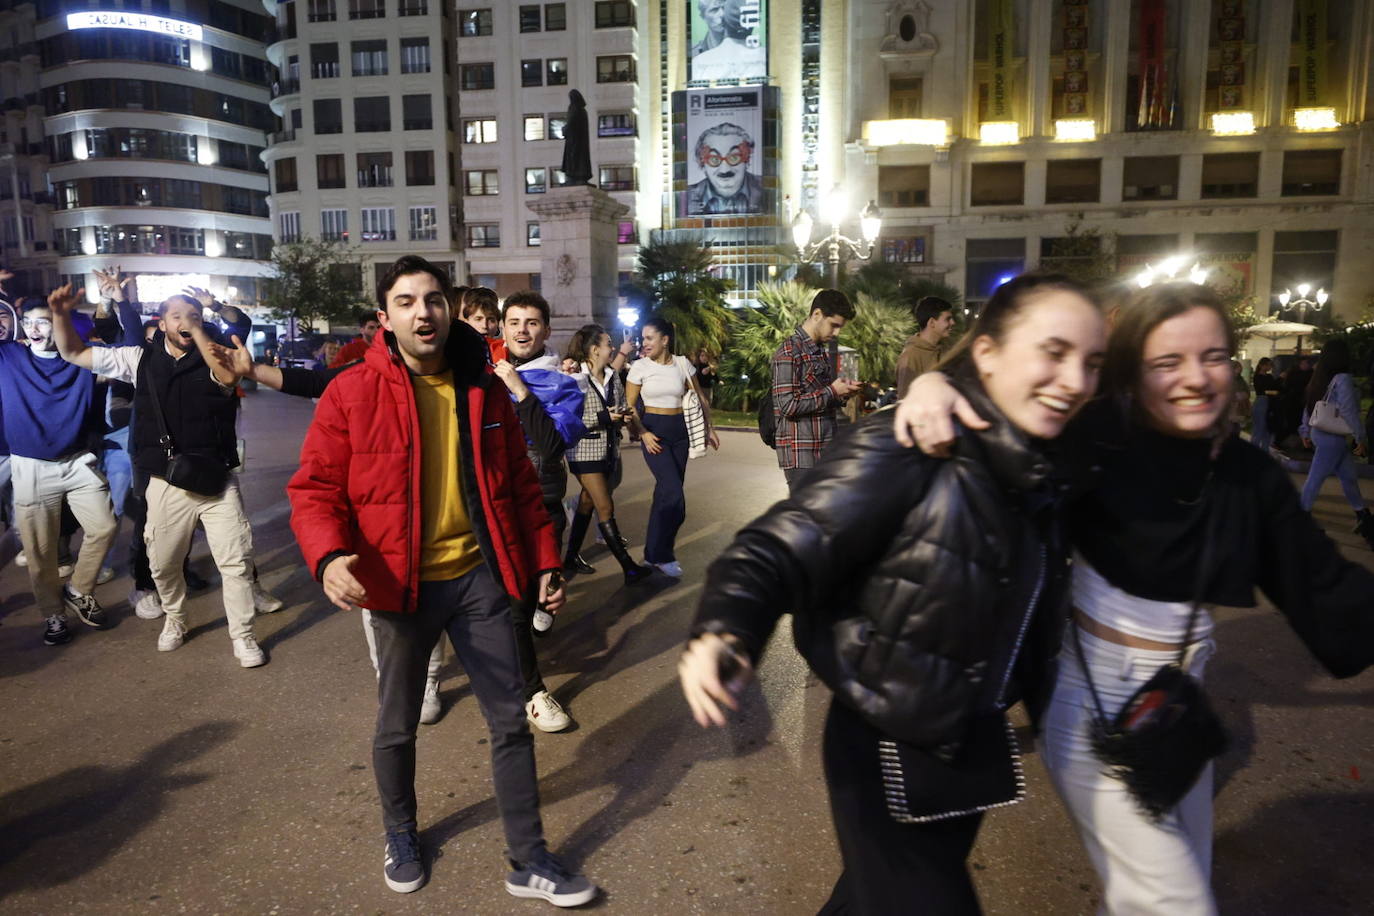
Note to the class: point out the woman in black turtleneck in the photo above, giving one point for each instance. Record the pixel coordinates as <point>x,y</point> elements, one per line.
<point>1180,511</point>
<point>1266,397</point>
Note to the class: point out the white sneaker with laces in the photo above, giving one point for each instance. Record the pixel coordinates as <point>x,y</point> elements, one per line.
<point>105,575</point>
<point>264,602</point>
<point>172,636</point>
<point>21,559</point>
<point>544,713</point>
<point>146,604</point>
<point>672,568</point>
<point>248,652</point>
<point>431,707</point>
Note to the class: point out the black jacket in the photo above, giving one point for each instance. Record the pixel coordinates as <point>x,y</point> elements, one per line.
<point>916,582</point>
<point>200,415</point>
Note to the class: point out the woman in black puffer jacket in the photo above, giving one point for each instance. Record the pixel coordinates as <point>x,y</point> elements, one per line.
<point>929,596</point>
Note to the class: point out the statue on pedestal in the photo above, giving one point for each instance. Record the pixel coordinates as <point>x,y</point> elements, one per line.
<point>577,143</point>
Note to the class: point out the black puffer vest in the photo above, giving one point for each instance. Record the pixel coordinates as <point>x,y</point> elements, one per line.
<point>200,415</point>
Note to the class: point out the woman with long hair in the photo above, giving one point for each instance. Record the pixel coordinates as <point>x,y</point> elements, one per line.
<point>1265,405</point>
<point>1333,383</point>
<point>661,380</point>
<point>595,457</point>
<point>927,595</point>
<point>1183,513</point>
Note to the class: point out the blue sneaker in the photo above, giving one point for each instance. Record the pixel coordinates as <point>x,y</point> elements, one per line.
<point>546,878</point>
<point>402,867</point>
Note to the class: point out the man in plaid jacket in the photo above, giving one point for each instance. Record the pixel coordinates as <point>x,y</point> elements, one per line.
<point>806,394</point>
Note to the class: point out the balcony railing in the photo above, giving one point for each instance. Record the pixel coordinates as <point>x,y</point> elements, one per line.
<point>282,136</point>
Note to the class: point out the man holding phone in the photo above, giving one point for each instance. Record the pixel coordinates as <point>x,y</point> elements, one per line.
<point>806,394</point>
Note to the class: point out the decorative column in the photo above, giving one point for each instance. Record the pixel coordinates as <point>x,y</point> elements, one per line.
<point>577,233</point>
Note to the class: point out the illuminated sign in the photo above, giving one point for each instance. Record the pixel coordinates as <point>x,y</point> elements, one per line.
<point>115,19</point>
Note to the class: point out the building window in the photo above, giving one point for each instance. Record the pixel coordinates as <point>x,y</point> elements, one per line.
<point>334,225</point>
<point>532,235</point>
<point>536,181</point>
<point>1073,181</point>
<point>991,262</point>
<point>413,8</point>
<point>555,17</point>
<point>534,127</point>
<point>369,57</point>
<point>556,71</point>
<point>419,167</point>
<point>557,125</point>
<point>558,177</point>
<point>424,224</point>
<point>371,114</point>
<point>1150,178</point>
<point>415,55</point>
<point>324,60</point>
<point>612,14</point>
<point>483,235</point>
<point>328,116</point>
<point>321,10</point>
<point>1304,257</point>
<point>904,97</point>
<point>479,130</point>
<point>997,184</point>
<point>617,178</point>
<point>474,23</point>
<point>531,73</point>
<point>374,170</point>
<point>909,249</point>
<point>477,76</point>
<point>289,226</point>
<point>329,171</point>
<point>625,232</point>
<point>481,182</point>
<point>615,125</point>
<point>379,224</point>
<point>1230,174</point>
<point>285,174</point>
<point>1311,172</point>
<point>903,185</point>
<point>416,112</point>
<point>366,9</point>
<point>615,68</point>
<point>529,18</point>
<point>1133,252</point>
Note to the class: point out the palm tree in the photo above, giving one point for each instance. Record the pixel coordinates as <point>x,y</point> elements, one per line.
<point>878,332</point>
<point>745,372</point>
<point>676,280</point>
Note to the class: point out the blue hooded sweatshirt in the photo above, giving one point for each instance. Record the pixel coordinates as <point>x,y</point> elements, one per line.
<point>47,404</point>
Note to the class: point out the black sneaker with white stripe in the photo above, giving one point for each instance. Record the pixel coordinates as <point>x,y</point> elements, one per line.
<point>85,607</point>
<point>55,631</point>
<point>546,878</point>
<point>402,867</point>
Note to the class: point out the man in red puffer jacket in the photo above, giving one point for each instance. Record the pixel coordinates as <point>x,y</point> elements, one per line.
<point>415,500</point>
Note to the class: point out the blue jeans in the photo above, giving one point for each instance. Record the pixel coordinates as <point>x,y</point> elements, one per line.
<point>1332,457</point>
<point>119,471</point>
<point>1260,434</point>
<point>669,467</point>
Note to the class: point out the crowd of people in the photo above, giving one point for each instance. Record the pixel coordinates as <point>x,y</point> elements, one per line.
<point>1008,534</point>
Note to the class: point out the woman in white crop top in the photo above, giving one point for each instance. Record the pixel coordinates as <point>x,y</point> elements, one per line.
<point>661,379</point>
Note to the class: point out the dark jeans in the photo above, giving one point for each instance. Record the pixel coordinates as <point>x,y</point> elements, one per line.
<point>889,867</point>
<point>475,613</point>
<point>669,467</point>
<point>522,611</point>
<point>793,475</point>
<point>136,508</point>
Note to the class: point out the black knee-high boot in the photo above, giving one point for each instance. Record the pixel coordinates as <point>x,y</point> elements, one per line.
<point>572,560</point>
<point>616,545</point>
<point>1364,526</point>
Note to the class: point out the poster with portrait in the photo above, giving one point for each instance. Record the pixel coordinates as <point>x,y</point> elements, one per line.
<point>728,39</point>
<point>724,153</point>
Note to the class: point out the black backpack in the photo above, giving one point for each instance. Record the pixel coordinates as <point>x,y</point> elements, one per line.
<point>768,426</point>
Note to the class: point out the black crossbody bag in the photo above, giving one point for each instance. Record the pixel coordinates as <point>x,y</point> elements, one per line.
<point>206,475</point>
<point>1159,742</point>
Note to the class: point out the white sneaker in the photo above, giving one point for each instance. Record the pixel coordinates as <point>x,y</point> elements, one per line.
<point>173,635</point>
<point>65,570</point>
<point>672,568</point>
<point>264,602</point>
<point>544,713</point>
<point>146,604</point>
<point>105,575</point>
<point>431,707</point>
<point>21,559</point>
<point>249,654</point>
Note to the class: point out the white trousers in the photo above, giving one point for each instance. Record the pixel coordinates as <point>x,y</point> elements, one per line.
<point>39,489</point>
<point>173,514</point>
<point>436,656</point>
<point>1146,868</point>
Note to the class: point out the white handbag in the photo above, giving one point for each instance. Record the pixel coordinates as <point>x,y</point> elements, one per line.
<point>693,414</point>
<point>1326,416</point>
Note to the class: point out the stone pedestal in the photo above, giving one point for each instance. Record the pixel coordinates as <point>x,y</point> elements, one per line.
<point>577,231</point>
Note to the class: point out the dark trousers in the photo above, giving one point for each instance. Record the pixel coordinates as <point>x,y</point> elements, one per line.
<point>475,612</point>
<point>669,467</point>
<point>136,508</point>
<point>793,476</point>
<point>522,611</point>
<point>889,867</point>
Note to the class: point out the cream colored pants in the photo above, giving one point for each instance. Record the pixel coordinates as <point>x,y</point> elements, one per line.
<point>172,517</point>
<point>39,488</point>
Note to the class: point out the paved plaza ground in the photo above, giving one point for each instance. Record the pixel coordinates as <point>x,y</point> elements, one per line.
<point>133,781</point>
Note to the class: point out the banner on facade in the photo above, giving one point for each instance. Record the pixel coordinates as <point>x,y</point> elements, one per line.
<point>724,153</point>
<point>1312,45</point>
<point>1231,48</point>
<point>1000,44</point>
<point>1075,58</point>
<point>729,39</point>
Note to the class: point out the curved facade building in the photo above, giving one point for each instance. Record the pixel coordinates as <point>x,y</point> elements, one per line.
<point>155,123</point>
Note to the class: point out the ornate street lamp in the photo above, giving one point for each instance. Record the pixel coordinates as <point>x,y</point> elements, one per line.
<point>833,210</point>
<point>1302,303</point>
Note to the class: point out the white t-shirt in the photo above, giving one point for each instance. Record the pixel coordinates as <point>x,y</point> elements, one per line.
<point>661,385</point>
